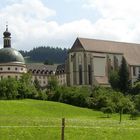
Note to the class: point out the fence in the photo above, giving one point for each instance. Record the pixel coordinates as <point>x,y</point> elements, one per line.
<point>77,123</point>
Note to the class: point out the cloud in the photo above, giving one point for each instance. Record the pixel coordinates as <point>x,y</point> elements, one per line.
<point>119,19</point>
<point>27,21</point>
<point>27,9</point>
<point>31,24</point>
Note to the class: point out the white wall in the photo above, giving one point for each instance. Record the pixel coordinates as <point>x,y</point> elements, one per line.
<point>99,65</point>
<point>11,70</point>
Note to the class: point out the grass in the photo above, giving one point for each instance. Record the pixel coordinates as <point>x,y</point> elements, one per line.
<point>31,120</point>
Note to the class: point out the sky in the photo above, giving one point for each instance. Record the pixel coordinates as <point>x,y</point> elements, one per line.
<point>58,23</point>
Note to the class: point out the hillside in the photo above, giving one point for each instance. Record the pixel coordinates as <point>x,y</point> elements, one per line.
<point>31,108</point>
<point>39,120</point>
<point>45,54</point>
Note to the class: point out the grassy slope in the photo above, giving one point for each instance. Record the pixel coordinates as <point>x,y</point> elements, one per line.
<point>43,113</point>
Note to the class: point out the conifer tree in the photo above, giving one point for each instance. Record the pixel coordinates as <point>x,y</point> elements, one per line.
<point>123,76</point>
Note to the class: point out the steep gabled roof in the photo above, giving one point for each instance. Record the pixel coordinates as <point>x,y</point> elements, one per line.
<point>131,51</point>
<point>77,45</point>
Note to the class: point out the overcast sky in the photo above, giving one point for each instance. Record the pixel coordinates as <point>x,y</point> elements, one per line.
<point>59,22</point>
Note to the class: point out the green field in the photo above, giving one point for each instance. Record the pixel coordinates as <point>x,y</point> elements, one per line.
<point>41,120</point>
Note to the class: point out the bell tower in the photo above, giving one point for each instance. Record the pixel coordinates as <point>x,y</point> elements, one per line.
<point>7,38</point>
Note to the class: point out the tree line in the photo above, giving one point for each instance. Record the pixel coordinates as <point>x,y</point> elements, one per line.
<point>48,55</point>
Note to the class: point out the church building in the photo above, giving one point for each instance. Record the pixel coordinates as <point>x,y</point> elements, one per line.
<point>90,61</point>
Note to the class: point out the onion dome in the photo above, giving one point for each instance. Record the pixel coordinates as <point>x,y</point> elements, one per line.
<point>10,55</point>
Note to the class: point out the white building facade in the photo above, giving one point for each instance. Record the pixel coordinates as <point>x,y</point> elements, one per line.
<point>43,73</point>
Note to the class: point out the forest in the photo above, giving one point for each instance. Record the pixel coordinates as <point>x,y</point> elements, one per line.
<point>47,55</point>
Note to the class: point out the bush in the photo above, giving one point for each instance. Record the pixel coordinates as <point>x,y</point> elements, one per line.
<point>137,102</point>
<point>136,88</point>
<point>101,97</point>
<point>12,89</point>
<point>107,110</point>
<point>42,96</point>
<point>134,114</point>
<point>8,89</point>
<point>71,95</point>
<point>114,79</point>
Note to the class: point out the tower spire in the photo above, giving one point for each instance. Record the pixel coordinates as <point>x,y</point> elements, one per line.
<point>7,38</point>
<point>7,26</point>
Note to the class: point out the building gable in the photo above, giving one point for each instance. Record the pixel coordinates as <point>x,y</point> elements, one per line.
<point>77,46</point>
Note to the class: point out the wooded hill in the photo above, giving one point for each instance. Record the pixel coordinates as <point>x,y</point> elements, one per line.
<point>45,54</point>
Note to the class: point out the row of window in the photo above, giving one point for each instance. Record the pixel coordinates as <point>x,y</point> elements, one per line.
<point>34,71</point>
<point>61,76</point>
<point>8,76</point>
<point>62,81</point>
<point>40,82</point>
<point>43,77</point>
<point>40,77</point>
<point>10,68</point>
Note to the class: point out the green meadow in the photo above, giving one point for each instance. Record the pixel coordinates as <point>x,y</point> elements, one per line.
<point>41,120</point>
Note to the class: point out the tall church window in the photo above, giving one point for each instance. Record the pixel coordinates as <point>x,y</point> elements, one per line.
<point>134,71</point>
<point>80,75</point>
<point>71,57</point>
<point>80,59</point>
<point>116,65</point>
<point>89,74</point>
<point>109,64</point>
